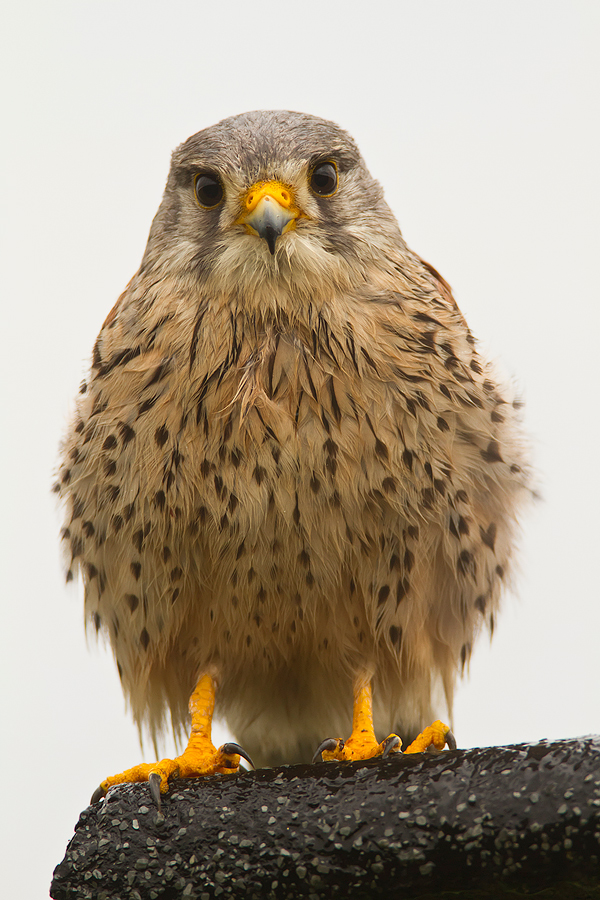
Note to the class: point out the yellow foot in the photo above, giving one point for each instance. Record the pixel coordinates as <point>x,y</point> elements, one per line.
<point>199,758</point>
<point>362,743</point>
<point>436,736</point>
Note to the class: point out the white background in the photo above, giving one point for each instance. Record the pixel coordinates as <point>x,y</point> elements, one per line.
<point>481,120</point>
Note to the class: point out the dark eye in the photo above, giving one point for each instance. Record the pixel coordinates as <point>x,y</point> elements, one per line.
<point>324,179</point>
<point>209,190</point>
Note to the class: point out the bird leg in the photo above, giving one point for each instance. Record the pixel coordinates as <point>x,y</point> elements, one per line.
<point>199,758</point>
<point>362,743</point>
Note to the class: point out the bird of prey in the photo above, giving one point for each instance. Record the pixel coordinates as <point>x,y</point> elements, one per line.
<point>292,482</point>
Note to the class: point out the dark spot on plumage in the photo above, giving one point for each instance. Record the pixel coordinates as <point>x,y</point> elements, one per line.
<point>384,593</point>
<point>439,486</point>
<point>83,387</point>
<point>462,496</point>
<point>442,424</point>
<point>428,469</point>
<point>389,485</point>
<point>127,433</point>
<point>118,359</point>
<point>411,407</point>
<point>90,570</point>
<point>315,484</point>
<point>463,524</point>
<point>248,640</point>
<point>147,405</point>
<point>271,502</point>
<point>452,528</point>
<point>310,579</point>
<point>138,539</point>
<point>481,603</point>
<point>161,435</point>
<point>331,466</point>
<point>335,409</point>
<point>79,427</point>
<point>293,626</point>
<point>136,569</point>
<point>235,457</point>
<point>65,477</point>
<point>492,452</point>
<point>500,571</point>
<point>276,453</point>
<point>223,522</point>
<point>117,523</point>
<point>352,586</point>
<point>56,488</point>
<point>401,590</point>
<point>69,576</point>
<point>261,595</point>
<point>476,366</point>
<point>219,488</point>
<point>74,454</point>
<point>144,638</point>
<point>515,469</point>
<point>382,542</point>
<point>259,474</point>
<point>369,359</point>
<point>168,479</point>
<point>496,417</point>
<point>112,492</point>
<point>407,458</point>
<point>97,620</point>
<point>304,558</point>
<point>251,575</point>
<point>409,560</point>
<point>88,529</point>
<point>158,374</point>
<point>110,467</point>
<point>395,635</point>
<point>465,562</point>
<point>110,442</point>
<point>166,553</point>
<point>488,537</point>
<point>296,512</point>
<point>160,499</point>
<point>65,534</point>
<point>132,601</point>
<point>176,573</point>
<point>488,386</point>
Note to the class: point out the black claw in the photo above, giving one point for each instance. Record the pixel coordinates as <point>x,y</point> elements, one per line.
<point>389,744</point>
<point>98,794</point>
<point>327,744</point>
<point>154,785</point>
<point>231,747</point>
<point>451,741</point>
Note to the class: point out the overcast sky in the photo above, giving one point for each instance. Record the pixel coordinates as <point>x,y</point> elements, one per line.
<point>481,121</point>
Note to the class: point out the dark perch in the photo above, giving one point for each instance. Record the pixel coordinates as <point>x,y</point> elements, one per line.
<point>524,818</point>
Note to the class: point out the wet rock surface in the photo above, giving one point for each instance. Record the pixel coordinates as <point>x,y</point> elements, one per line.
<point>524,818</point>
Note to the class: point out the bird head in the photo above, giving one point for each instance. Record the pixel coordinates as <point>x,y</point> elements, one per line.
<point>272,202</point>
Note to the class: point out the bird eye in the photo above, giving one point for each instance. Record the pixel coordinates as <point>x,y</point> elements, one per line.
<point>324,179</point>
<point>209,190</point>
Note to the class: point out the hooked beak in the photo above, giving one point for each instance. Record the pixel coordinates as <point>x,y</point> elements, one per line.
<point>269,211</point>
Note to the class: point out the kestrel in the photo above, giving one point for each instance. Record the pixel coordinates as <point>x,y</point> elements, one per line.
<point>291,477</point>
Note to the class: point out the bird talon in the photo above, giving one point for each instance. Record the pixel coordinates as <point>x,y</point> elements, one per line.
<point>98,794</point>
<point>392,744</point>
<point>450,740</point>
<point>154,783</point>
<point>233,749</point>
<point>330,745</point>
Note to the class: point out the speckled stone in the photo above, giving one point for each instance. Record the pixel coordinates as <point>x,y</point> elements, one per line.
<point>524,818</point>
